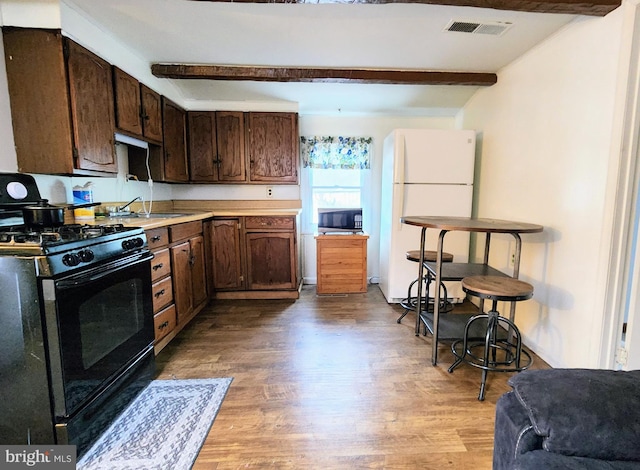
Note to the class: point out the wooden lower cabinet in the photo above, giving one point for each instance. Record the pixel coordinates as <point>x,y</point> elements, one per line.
<point>187,264</point>
<point>253,257</point>
<point>341,262</point>
<point>178,275</point>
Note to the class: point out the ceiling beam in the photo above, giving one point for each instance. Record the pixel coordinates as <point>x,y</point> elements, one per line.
<point>571,7</point>
<point>322,75</point>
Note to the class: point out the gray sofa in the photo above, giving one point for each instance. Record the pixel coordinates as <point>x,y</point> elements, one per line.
<point>569,419</point>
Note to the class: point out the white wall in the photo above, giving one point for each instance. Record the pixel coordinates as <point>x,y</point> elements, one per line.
<point>377,127</point>
<point>547,134</point>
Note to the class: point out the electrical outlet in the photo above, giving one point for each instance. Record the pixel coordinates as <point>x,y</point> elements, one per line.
<point>269,191</point>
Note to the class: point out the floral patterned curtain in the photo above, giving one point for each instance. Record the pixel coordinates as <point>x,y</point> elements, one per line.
<point>336,152</point>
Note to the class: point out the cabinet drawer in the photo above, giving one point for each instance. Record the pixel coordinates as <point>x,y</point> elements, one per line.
<point>157,237</point>
<point>278,223</point>
<point>164,322</point>
<point>160,264</point>
<point>162,293</point>
<point>186,230</point>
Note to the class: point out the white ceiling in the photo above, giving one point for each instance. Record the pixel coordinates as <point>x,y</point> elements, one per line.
<point>391,36</point>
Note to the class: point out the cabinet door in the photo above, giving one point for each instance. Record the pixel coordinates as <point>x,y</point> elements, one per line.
<point>231,146</point>
<point>37,82</point>
<point>91,93</point>
<point>271,260</point>
<point>273,147</point>
<point>127,93</point>
<point>226,253</point>
<point>203,152</point>
<point>181,274</point>
<point>198,278</point>
<point>151,113</point>
<point>174,130</point>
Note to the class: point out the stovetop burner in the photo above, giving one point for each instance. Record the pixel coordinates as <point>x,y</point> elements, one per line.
<point>49,236</point>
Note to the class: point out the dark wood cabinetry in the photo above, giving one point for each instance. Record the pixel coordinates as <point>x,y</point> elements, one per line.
<point>175,152</point>
<point>138,108</point>
<point>272,144</point>
<point>151,111</point>
<point>61,103</point>
<point>254,257</point>
<point>127,102</point>
<point>188,271</point>
<point>226,254</point>
<point>216,146</point>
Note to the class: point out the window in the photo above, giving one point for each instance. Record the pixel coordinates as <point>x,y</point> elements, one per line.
<point>335,173</point>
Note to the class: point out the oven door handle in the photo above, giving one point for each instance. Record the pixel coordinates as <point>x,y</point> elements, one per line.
<point>79,280</point>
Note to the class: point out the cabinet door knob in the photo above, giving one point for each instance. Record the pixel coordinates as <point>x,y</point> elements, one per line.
<point>158,266</point>
<point>159,293</point>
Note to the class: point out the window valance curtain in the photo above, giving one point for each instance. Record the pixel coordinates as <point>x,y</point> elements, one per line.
<point>328,152</point>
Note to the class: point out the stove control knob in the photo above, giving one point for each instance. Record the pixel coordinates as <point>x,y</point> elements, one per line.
<point>127,244</point>
<point>71,259</point>
<point>86,255</point>
<point>139,242</point>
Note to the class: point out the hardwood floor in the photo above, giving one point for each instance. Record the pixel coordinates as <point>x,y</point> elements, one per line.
<point>333,382</point>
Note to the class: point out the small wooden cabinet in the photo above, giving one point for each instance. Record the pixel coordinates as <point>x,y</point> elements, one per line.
<point>127,102</point>
<point>151,112</point>
<point>174,127</point>
<point>216,146</point>
<point>341,263</point>
<point>137,107</point>
<point>272,146</point>
<point>178,278</point>
<point>187,264</point>
<point>254,257</point>
<point>61,103</point>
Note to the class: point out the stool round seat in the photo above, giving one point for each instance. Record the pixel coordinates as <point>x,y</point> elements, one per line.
<point>495,352</point>
<point>410,301</point>
<point>429,255</point>
<point>497,288</point>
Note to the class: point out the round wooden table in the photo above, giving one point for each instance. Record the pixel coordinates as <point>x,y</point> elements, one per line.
<point>466,224</point>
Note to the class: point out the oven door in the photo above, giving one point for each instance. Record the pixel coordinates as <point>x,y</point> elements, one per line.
<point>98,322</point>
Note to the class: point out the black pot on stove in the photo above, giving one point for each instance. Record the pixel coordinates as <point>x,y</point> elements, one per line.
<point>44,214</point>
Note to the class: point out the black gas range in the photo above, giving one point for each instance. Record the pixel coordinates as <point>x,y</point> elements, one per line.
<point>71,246</point>
<point>76,343</point>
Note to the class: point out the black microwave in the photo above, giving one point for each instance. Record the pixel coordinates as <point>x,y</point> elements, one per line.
<point>339,220</point>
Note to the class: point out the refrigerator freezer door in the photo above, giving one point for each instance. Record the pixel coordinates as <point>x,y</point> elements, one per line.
<point>396,273</point>
<point>432,155</point>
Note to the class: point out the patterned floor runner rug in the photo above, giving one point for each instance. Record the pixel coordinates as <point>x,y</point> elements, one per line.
<point>163,428</point>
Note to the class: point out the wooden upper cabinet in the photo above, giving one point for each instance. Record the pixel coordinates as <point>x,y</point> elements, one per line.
<point>127,94</point>
<point>231,146</point>
<point>272,143</point>
<point>216,146</point>
<point>62,123</point>
<point>151,113</point>
<point>175,152</point>
<point>203,150</point>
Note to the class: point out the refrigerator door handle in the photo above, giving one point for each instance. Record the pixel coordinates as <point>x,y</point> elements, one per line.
<point>400,160</point>
<point>400,201</point>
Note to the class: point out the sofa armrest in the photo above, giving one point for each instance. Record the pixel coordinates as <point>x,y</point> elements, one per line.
<point>514,433</point>
<point>583,412</point>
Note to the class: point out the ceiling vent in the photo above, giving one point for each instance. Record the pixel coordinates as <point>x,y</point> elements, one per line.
<point>492,28</point>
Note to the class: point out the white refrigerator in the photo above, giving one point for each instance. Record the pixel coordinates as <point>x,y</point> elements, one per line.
<point>425,172</point>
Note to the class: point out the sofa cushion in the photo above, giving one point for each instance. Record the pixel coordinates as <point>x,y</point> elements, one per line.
<point>583,412</point>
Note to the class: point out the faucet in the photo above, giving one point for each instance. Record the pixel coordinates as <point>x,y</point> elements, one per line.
<point>122,208</point>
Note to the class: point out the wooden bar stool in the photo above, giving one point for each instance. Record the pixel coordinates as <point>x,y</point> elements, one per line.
<point>497,354</point>
<point>409,303</point>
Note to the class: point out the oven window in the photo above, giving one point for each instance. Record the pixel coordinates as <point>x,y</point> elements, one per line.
<point>110,319</point>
